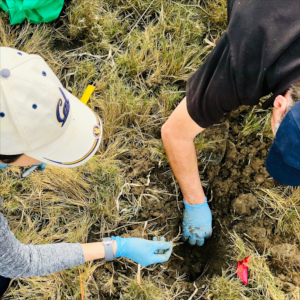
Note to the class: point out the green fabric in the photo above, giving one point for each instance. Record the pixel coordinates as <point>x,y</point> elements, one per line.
<point>36,11</point>
<point>3,6</point>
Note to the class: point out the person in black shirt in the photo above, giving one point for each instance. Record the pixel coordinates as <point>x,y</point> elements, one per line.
<point>259,54</point>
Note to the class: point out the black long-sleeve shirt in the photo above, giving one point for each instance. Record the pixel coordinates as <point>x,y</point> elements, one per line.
<point>258,54</point>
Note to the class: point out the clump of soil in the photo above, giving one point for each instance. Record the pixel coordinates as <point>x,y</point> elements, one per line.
<point>286,254</point>
<point>244,204</point>
<point>259,236</point>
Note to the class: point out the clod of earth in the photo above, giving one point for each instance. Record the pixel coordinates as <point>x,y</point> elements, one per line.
<point>288,253</point>
<point>285,286</point>
<point>244,203</point>
<point>259,237</point>
<point>288,287</point>
<point>296,279</point>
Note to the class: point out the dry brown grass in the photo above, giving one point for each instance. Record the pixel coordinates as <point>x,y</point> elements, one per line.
<point>138,54</point>
<point>282,205</point>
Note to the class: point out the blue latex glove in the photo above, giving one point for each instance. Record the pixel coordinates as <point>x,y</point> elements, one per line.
<point>143,251</point>
<point>2,166</point>
<point>40,167</point>
<point>197,223</point>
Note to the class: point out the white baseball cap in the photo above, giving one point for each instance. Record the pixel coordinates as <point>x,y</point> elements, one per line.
<point>39,117</point>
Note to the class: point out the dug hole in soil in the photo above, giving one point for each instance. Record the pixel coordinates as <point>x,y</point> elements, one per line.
<point>230,172</point>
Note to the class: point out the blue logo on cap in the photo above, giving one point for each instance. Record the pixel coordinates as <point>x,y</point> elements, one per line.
<point>65,110</point>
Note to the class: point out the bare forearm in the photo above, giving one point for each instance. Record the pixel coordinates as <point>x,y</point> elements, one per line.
<point>178,135</point>
<point>92,251</point>
<point>183,160</point>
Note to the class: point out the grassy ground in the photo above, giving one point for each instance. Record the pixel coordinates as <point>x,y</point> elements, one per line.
<point>138,54</point>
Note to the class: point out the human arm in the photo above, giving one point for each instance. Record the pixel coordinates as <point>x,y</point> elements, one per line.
<point>92,251</point>
<point>40,166</point>
<point>20,260</point>
<point>178,135</point>
<point>139,250</point>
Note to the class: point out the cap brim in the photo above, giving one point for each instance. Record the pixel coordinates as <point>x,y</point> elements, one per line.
<point>279,170</point>
<point>79,142</point>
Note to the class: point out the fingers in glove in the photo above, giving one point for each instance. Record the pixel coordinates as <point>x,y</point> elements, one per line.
<point>208,235</point>
<point>162,246</point>
<point>200,241</point>
<point>192,240</point>
<point>185,236</point>
<point>41,166</point>
<point>160,258</point>
<point>155,239</point>
<point>161,251</point>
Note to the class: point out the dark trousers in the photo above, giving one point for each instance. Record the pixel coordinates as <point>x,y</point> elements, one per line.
<point>4,283</point>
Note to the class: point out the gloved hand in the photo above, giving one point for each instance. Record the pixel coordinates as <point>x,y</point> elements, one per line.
<point>143,251</point>
<point>197,223</point>
<point>3,166</point>
<point>40,167</point>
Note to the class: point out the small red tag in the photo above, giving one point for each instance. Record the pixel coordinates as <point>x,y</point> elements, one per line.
<point>242,270</point>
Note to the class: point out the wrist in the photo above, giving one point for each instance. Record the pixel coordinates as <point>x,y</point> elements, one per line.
<point>118,241</point>
<point>186,204</point>
<point>109,248</point>
<point>195,201</point>
<point>115,247</point>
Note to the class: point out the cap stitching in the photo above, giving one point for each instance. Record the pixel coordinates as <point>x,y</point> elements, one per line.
<point>26,60</point>
<point>41,87</point>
